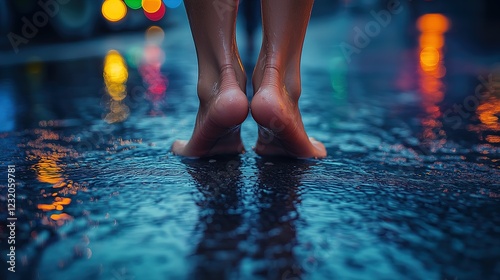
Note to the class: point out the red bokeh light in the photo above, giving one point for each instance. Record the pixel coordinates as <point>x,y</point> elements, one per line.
<point>156,16</point>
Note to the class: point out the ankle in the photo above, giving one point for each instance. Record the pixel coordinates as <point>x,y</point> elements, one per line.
<point>279,77</point>
<point>214,81</point>
<point>227,78</point>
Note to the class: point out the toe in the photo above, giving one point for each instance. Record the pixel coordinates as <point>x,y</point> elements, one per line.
<point>319,147</point>
<point>178,147</point>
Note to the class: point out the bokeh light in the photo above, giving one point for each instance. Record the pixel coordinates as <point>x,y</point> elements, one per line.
<point>134,4</point>
<point>431,39</point>
<point>338,70</point>
<point>61,217</point>
<point>172,3</point>
<point>433,23</point>
<point>151,6</point>
<point>489,112</point>
<point>115,73</point>
<point>133,56</point>
<point>114,10</point>
<point>49,167</point>
<point>156,16</point>
<point>115,78</point>
<point>155,34</point>
<point>150,69</point>
<point>431,72</point>
<point>433,27</point>
<point>429,56</point>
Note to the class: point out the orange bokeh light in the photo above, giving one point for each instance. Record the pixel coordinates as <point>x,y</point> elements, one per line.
<point>488,113</point>
<point>433,23</point>
<point>158,14</point>
<point>61,217</point>
<point>493,139</point>
<point>430,56</point>
<point>46,207</point>
<point>151,6</point>
<point>432,69</point>
<point>431,39</point>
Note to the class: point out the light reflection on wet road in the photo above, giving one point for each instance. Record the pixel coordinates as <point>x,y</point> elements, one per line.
<point>410,189</point>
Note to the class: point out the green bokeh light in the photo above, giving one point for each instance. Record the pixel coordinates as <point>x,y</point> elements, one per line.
<point>338,73</point>
<point>134,4</point>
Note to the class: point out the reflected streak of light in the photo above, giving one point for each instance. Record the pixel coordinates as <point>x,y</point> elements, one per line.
<point>115,78</point>
<point>62,201</point>
<point>432,70</point>
<point>50,170</point>
<point>488,113</point>
<point>61,217</point>
<point>493,139</point>
<point>150,69</point>
<point>46,207</point>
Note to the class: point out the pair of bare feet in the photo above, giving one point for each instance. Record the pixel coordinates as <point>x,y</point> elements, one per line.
<point>274,108</point>
<point>276,82</point>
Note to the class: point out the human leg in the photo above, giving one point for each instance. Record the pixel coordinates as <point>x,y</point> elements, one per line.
<point>277,83</point>
<point>221,80</point>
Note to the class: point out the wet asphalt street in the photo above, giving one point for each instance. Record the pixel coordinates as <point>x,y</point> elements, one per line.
<point>410,188</point>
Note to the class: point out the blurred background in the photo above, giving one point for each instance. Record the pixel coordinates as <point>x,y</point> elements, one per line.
<point>64,20</point>
<point>36,34</point>
<point>405,94</point>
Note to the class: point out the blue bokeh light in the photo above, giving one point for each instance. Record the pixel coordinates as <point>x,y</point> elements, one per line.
<point>172,3</point>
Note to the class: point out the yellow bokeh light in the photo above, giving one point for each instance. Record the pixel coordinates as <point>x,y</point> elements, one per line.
<point>115,74</point>
<point>114,10</point>
<point>430,56</point>
<point>115,77</point>
<point>151,6</point>
<point>117,91</point>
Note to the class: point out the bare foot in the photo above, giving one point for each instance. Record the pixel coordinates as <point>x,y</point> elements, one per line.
<point>275,108</point>
<point>223,107</point>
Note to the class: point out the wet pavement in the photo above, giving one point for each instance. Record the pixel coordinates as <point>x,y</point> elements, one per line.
<point>410,188</point>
